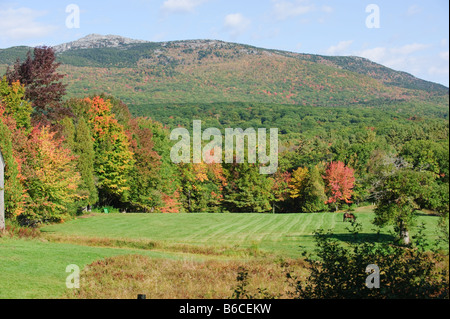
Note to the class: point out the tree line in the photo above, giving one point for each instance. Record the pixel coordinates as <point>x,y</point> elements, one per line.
<point>65,156</point>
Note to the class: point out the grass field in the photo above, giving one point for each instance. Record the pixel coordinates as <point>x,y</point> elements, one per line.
<point>35,268</point>
<point>277,234</point>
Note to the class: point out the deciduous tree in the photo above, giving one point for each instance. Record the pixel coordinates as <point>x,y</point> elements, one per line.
<point>52,183</point>
<point>14,102</point>
<point>398,198</point>
<point>44,87</point>
<point>113,158</point>
<point>339,182</point>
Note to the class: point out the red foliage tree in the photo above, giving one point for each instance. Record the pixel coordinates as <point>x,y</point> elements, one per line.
<point>340,181</point>
<point>43,84</point>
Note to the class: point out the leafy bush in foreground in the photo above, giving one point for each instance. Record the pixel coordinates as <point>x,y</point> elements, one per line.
<point>340,272</point>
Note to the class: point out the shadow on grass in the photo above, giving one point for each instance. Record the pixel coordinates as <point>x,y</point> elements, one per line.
<point>45,231</point>
<point>364,237</point>
<point>359,238</point>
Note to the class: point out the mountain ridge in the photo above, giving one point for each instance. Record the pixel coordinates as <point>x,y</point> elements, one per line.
<point>94,40</point>
<point>210,71</point>
<point>111,41</point>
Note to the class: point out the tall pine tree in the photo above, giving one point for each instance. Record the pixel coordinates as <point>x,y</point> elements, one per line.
<point>84,149</point>
<point>314,192</point>
<point>247,191</point>
<point>13,194</point>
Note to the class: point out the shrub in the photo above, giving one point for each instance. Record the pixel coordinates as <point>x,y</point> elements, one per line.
<point>340,272</point>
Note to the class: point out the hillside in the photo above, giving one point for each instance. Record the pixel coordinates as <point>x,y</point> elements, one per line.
<point>143,74</point>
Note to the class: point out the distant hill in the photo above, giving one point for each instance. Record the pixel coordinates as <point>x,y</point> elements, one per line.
<point>210,71</point>
<point>92,41</point>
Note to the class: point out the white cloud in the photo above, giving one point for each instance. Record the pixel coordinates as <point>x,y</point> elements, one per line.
<point>183,6</point>
<point>434,70</point>
<point>340,48</point>
<point>393,57</point>
<point>409,48</point>
<point>413,9</point>
<point>415,58</point>
<point>444,55</point>
<point>283,10</point>
<point>440,66</point>
<point>236,24</point>
<point>327,9</point>
<point>21,24</point>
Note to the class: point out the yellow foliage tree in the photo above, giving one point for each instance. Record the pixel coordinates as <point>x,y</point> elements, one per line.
<point>298,181</point>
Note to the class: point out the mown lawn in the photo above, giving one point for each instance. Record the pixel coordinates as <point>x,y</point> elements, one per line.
<point>35,268</point>
<point>281,234</point>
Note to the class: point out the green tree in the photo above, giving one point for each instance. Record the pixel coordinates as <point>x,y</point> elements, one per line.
<point>15,104</point>
<point>398,196</point>
<point>144,176</point>
<point>14,191</point>
<point>339,272</point>
<point>314,192</point>
<point>247,190</point>
<point>68,132</point>
<point>308,189</point>
<point>202,186</point>
<point>113,158</point>
<point>84,149</point>
<point>168,181</point>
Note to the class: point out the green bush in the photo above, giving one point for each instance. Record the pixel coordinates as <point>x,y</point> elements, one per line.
<point>340,272</point>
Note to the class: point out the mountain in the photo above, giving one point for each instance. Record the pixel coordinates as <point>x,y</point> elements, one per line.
<point>144,74</point>
<point>92,41</point>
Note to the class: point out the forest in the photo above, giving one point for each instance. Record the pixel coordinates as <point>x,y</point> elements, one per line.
<point>67,155</point>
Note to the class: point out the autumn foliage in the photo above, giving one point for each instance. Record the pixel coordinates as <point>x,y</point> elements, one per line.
<point>113,159</point>
<point>44,87</point>
<point>340,182</point>
<point>66,157</point>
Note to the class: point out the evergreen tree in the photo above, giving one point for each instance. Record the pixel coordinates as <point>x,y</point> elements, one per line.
<point>13,193</point>
<point>247,190</point>
<point>84,149</point>
<point>168,185</point>
<point>68,132</point>
<point>314,192</point>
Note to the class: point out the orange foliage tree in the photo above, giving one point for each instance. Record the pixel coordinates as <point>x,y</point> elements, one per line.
<point>113,157</point>
<point>340,181</point>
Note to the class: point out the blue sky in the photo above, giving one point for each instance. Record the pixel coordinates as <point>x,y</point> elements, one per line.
<point>412,35</point>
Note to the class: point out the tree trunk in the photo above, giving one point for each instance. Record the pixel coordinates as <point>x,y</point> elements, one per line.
<point>405,237</point>
<point>189,200</point>
<point>404,234</point>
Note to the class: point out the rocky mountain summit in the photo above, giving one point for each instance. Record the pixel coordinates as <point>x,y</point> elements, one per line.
<point>215,70</point>
<point>96,41</point>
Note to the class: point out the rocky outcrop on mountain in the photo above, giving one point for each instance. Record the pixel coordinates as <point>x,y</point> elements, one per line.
<point>96,41</point>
